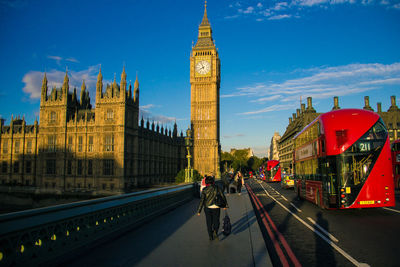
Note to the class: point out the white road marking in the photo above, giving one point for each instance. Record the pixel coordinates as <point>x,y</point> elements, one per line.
<point>299,210</point>
<point>323,230</point>
<point>327,240</point>
<point>284,197</point>
<point>398,211</point>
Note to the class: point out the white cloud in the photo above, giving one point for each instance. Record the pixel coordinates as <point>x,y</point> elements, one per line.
<point>396,6</point>
<point>233,136</point>
<point>56,58</point>
<point>160,119</point>
<point>233,95</point>
<point>278,17</point>
<point>367,2</point>
<point>248,10</point>
<point>33,80</point>
<point>71,59</point>
<point>146,114</point>
<point>310,3</point>
<point>280,6</point>
<point>59,59</point>
<point>295,8</point>
<point>269,109</point>
<point>231,17</point>
<point>320,83</point>
<point>148,106</point>
<point>269,98</point>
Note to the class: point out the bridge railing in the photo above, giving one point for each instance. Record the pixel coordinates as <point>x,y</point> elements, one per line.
<point>43,235</point>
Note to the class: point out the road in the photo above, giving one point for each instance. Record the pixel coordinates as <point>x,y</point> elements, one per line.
<point>317,237</point>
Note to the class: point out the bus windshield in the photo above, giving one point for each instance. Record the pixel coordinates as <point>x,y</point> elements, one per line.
<point>355,164</point>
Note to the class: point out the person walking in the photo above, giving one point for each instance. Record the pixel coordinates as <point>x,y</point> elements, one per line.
<point>240,182</point>
<point>212,199</point>
<point>225,182</point>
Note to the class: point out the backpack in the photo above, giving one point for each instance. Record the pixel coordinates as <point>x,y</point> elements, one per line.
<point>219,200</point>
<point>227,227</point>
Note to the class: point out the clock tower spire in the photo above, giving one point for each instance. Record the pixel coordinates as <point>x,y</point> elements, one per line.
<point>205,84</point>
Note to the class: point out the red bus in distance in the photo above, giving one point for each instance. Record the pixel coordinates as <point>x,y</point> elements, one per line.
<point>343,160</point>
<point>396,163</point>
<point>273,171</point>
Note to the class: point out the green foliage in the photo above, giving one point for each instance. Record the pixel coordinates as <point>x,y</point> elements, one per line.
<point>254,163</point>
<point>180,177</point>
<point>240,161</point>
<point>226,161</point>
<point>241,155</point>
<point>225,156</point>
<point>196,176</point>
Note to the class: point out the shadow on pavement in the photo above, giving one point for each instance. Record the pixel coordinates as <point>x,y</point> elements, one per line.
<point>133,246</point>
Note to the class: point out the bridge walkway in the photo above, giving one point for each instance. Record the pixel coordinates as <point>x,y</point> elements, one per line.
<point>179,238</point>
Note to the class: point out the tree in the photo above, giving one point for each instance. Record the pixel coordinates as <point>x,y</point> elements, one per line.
<point>226,161</point>
<point>180,177</point>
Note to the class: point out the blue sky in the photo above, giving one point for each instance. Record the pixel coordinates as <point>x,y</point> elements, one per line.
<point>272,52</point>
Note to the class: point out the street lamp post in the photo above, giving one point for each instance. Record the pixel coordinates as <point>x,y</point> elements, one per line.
<point>189,144</point>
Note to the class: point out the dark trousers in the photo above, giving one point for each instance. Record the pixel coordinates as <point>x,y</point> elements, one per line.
<point>239,187</point>
<point>225,186</point>
<point>212,220</point>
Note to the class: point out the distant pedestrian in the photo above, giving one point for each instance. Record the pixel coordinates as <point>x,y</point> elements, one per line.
<point>225,182</point>
<point>212,199</point>
<point>239,181</point>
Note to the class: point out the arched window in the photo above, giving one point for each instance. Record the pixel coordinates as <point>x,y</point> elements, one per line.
<point>53,116</point>
<point>110,114</point>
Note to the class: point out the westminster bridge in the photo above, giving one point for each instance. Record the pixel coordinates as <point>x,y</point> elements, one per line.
<point>159,227</point>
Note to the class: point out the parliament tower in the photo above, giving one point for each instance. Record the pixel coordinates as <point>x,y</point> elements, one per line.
<point>205,83</point>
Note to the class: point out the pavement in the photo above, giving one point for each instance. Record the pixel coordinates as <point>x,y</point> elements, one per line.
<point>179,238</point>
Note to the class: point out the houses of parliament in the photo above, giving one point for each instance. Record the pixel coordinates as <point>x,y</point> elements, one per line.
<point>79,148</point>
<point>106,150</point>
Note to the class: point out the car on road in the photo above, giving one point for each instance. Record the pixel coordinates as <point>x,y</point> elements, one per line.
<point>287,181</point>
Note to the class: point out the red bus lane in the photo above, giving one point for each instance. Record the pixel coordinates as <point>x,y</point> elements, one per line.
<point>273,232</point>
<point>319,245</point>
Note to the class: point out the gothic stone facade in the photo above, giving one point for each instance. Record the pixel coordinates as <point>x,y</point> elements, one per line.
<point>297,122</point>
<point>205,84</point>
<point>101,150</point>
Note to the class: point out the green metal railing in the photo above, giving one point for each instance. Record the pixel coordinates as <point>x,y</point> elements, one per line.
<point>46,235</point>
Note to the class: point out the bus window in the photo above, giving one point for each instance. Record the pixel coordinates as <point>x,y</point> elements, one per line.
<point>355,164</point>
<point>331,174</point>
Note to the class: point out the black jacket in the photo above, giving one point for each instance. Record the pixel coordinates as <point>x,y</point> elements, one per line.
<point>208,197</point>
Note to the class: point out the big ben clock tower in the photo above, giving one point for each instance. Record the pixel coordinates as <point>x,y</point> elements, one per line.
<point>205,82</point>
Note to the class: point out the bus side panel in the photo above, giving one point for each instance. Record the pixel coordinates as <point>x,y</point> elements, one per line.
<point>278,175</point>
<point>379,185</point>
<point>314,191</point>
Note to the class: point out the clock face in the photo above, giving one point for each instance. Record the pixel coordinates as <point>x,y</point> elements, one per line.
<point>203,67</point>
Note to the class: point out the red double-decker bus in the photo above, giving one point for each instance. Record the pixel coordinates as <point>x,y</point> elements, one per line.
<point>273,171</point>
<point>342,160</point>
<point>396,163</point>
